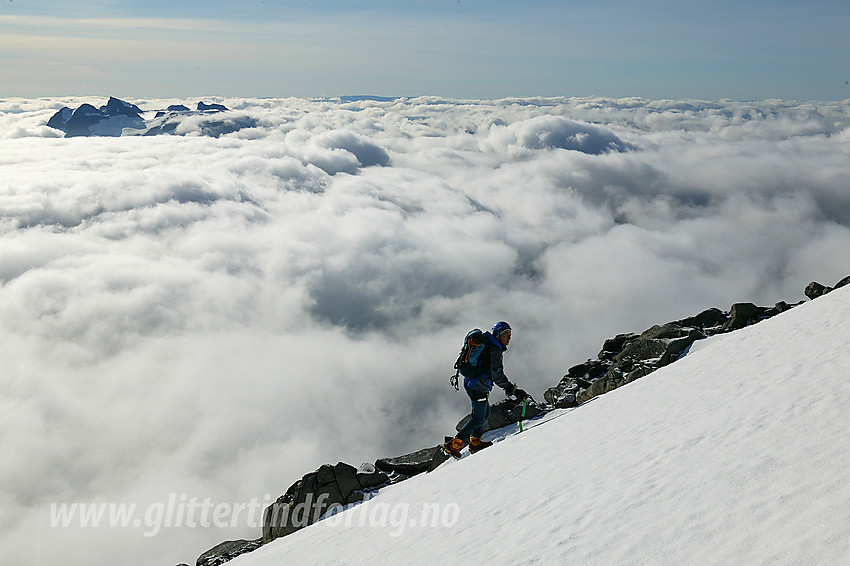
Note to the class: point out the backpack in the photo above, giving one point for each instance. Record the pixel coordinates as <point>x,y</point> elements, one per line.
<point>468,361</point>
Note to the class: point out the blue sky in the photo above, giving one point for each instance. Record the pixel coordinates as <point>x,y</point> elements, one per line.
<point>458,48</point>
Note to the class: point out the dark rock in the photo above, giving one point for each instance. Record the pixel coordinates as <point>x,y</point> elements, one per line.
<point>612,380</point>
<point>628,357</point>
<point>638,372</point>
<point>678,345</point>
<point>642,349</point>
<point>514,414</point>
<point>670,330</point>
<point>743,314</point>
<point>325,475</point>
<point>590,369</point>
<point>294,510</point>
<point>408,464</point>
<point>307,485</point>
<point>440,457</point>
<point>612,347</point>
<point>563,395</point>
<point>815,290</point>
<point>657,346</point>
<point>709,318</point>
<point>346,479</point>
<point>325,497</point>
<point>842,283</point>
<point>274,517</point>
<point>355,497</point>
<point>369,476</point>
<point>226,551</point>
<point>780,307</point>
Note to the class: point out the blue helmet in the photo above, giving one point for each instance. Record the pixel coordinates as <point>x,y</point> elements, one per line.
<point>500,327</point>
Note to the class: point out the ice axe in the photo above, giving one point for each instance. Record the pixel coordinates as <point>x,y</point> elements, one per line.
<point>522,415</point>
<point>524,407</point>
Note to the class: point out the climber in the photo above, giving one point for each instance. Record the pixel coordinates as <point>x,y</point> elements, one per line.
<point>481,365</point>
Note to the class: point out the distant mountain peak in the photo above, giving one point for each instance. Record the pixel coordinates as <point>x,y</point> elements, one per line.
<point>117,118</point>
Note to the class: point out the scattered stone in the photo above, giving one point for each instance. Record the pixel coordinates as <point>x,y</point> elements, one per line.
<point>408,464</point>
<point>226,551</point>
<point>744,314</point>
<point>815,289</point>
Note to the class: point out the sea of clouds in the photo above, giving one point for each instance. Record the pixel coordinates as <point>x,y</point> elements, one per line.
<point>216,316</point>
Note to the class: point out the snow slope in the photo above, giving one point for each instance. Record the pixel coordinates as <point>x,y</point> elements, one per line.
<point>737,454</point>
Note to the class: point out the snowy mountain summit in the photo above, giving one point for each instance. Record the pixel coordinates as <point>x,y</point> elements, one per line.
<point>737,453</point>
<point>108,120</point>
<point>119,118</point>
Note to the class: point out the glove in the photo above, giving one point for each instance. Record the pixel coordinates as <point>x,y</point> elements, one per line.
<point>520,394</point>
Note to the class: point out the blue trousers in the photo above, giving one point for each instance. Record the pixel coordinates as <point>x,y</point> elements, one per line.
<point>475,425</point>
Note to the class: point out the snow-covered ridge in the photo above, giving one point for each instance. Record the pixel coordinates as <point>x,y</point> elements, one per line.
<point>623,359</point>
<point>737,454</point>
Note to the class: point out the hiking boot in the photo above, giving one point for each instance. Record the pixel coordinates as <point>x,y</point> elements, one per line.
<point>453,447</point>
<point>476,444</point>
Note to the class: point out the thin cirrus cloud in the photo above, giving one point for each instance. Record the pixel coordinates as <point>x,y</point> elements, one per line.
<point>215,317</point>
<point>471,49</point>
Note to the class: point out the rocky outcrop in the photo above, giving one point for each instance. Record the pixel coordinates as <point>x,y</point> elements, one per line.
<point>308,499</point>
<point>815,289</point>
<point>628,357</point>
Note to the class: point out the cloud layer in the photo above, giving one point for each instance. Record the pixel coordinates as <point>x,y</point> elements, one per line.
<point>217,316</point>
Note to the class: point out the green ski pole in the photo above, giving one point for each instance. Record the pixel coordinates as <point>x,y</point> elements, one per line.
<point>522,416</point>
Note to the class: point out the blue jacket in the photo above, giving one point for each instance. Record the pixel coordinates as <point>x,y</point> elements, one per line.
<point>490,368</point>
